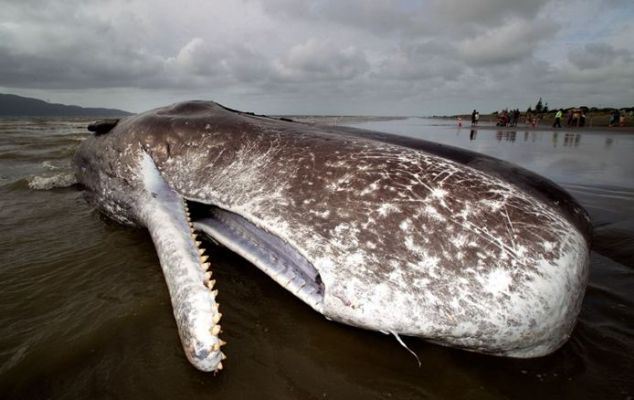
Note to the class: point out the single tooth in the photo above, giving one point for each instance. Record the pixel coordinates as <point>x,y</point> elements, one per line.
<point>203,259</point>
<point>214,293</point>
<point>222,356</point>
<point>219,367</point>
<point>201,251</point>
<point>217,317</point>
<point>221,342</point>
<point>205,266</point>
<point>194,236</point>
<point>198,242</point>
<point>207,276</point>
<point>215,330</point>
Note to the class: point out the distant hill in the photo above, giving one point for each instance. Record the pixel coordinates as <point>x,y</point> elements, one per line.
<point>18,106</point>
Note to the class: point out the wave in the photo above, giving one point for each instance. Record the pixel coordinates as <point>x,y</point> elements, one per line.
<point>48,165</point>
<point>61,180</point>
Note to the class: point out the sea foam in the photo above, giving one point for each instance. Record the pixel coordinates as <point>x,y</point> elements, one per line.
<point>61,180</point>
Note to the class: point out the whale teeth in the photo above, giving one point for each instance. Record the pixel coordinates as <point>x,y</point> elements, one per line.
<point>211,283</point>
<point>221,342</point>
<point>203,259</point>
<point>215,330</point>
<point>222,356</point>
<point>198,242</point>
<point>205,266</point>
<point>201,251</point>
<point>219,367</point>
<point>217,317</point>
<point>207,276</point>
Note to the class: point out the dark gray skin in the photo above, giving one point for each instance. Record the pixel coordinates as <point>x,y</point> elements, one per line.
<point>373,230</point>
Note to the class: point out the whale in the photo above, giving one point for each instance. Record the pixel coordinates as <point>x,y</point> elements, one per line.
<point>377,231</point>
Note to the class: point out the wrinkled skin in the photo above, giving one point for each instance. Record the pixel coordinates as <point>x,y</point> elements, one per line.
<point>402,236</point>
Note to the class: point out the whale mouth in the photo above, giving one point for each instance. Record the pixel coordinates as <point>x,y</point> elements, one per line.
<point>275,257</point>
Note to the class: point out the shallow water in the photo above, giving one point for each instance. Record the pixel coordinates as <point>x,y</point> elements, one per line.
<point>84,311</point>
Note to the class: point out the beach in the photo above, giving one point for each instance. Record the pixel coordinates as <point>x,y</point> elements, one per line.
<point>85,313</point>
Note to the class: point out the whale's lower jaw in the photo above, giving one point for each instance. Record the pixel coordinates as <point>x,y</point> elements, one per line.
<point>286,266</point>
<point>273,256</point>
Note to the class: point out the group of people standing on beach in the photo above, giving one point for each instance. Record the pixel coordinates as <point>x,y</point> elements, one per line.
<point>575,117</point>
<point>508,118</point>
<point>617,117</point>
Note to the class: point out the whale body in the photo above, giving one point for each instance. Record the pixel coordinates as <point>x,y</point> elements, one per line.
<point>376,231</point>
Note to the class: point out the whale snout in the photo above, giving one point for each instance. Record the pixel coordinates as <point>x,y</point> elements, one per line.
<point>549,303</point>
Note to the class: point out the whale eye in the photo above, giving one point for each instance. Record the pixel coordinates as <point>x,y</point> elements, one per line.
<point>103,126</point>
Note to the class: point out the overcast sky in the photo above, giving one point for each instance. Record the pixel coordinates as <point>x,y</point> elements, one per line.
<point>377,57</point>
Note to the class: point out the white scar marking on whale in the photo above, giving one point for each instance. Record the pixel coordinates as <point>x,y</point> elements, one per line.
<point>386,209</point>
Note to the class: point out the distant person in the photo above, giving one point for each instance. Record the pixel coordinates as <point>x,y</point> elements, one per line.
<point>473,117</point>
<point>459,122</point>
<point>582,119</point>
<point>614,118</point>
<point>477,117</point>
<point>558,115</point>
<point>576,115</point>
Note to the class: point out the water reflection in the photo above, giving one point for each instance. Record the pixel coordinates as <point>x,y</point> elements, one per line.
<point>508,136</point>
<point>595,156</point>
<point>569,140</point>
<point>572,139</point>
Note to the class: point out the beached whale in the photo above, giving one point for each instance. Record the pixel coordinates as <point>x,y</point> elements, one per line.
<point>372,230</point>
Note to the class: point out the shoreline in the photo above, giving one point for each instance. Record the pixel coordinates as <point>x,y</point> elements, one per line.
<point>595,119</point>
<point>548,128</point>
<point>337,119</point>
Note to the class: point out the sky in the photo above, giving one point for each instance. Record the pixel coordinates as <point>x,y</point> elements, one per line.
<point>341,57</point>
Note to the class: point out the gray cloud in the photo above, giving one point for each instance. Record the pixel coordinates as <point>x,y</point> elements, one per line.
<point>597,55</point>
<point>407,56</point>
<point>511,41</point>
<point>320,60</point>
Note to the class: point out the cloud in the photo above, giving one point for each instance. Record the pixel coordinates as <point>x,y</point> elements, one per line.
<point>512,41</point>
<point>285,56</point>
<point>597,55</point>
<point>421,61</point>
<point>321,60</point>
<point>486,12</point>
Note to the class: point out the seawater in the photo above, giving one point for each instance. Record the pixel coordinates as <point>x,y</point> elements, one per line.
<point>84,311</point>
